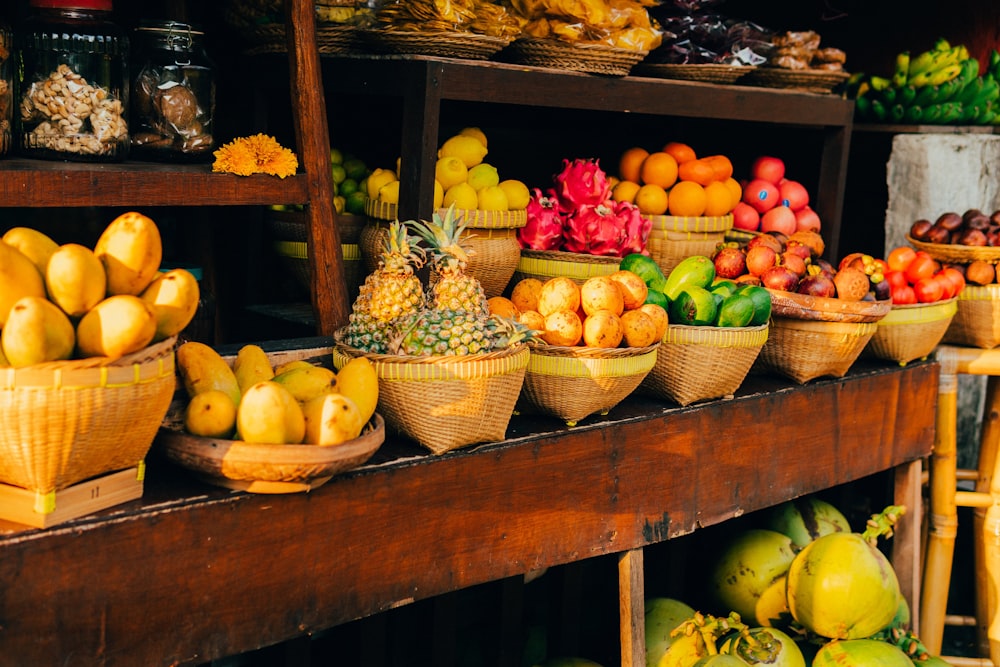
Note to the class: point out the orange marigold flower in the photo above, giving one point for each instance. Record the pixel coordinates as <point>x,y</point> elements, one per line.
<point>258,154</point>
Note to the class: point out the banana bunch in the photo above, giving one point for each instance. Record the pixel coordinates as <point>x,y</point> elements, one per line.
<point>941,86</point>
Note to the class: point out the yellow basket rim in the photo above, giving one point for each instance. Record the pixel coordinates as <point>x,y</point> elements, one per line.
<point>701,223</point>
<point>683,334</point>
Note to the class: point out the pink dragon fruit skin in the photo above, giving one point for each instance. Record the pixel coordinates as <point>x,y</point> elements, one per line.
<point>544,228</point>
<point>580,183</point>
<point>595,230</point>
<point>636,226</point>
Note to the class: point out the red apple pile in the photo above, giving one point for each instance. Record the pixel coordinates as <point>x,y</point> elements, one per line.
<point>916,277</point>
<point>773,203</point>
<point>794,263</point>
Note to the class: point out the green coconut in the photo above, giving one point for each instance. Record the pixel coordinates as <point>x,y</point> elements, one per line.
<point>662,616</point>
<point>860,653</point>
<point>753,562</point>
<point>804,519</point>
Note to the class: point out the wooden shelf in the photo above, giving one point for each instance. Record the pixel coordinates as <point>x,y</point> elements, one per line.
<point>192,573</point>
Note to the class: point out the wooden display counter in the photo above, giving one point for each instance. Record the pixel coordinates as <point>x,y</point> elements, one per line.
<point>191,573</point>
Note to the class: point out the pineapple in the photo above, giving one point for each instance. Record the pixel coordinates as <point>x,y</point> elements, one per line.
<point>454,289</point>
<point>391,292</point>
<point>440,332</point>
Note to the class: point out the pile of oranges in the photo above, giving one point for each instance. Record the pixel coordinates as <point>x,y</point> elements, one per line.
<point>675,181</point>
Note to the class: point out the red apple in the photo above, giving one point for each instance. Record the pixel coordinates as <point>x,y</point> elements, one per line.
<point>778,219</point>
<point>793,194</point>
<point>746,217</point>
<point>771,169</point>
<point>807,220</point>
<point>761,195</point>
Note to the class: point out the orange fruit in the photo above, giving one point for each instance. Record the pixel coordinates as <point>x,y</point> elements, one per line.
<point>687,198</point>
<point>721,165</point>
<point>698,171</point>
<point>651,199</point>
<point>680,152</point>
<point>630,163</point>
<point>625,191</point>
<point>659,169</point>
<point>734,188</point>
<point>718,199</point>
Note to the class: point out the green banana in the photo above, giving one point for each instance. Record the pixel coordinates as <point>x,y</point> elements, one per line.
<point>899,76</point>
<point>990,92</point>
<point>897,112</point>
<point>932,114</point>
<point>971,91</point>
<point>926,95</point>
<point>965,78</point>
<point>889,96</point>
<point>906,95</point>
<point>913,115</point>
<point>970,112</point>
<point>948,91</point>
<point>994,66</point>
<point>879,111</point>
<point>862,106</point>
<point>950,112</point>
<point>987,115</point>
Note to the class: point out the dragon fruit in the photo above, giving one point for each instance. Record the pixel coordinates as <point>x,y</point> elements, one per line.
<point>581,183</point>
<point>636,227</point>
<point>595,230</point>
<point>544,228</point>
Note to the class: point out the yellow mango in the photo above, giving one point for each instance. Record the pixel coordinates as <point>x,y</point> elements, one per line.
<point>130,249</point>
<point>201,368</point>
<point>358,381</point>
<point>117,326</point>
<point>36,245</point>
<point>75,279</point>
<point>331,419</point>
<point>308,382</point>
<point>268,413</point>
<point>289,365</point>
<point>18,277</point>
<point>36,331</point>
<point>210,414</point>
<point>174,298</point>
<point>251,366</point>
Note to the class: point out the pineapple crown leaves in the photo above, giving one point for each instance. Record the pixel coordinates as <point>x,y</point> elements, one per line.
<point>443,235</point>
<point>401,249</point>
<point>515,332</point>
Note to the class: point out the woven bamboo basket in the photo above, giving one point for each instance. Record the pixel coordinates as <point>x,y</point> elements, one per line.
<point>448,402</point>
<point>545,264</point>
<point>977,320</point>
<point>442,44</point>
<point>555,53</point>
<point>672,238</point>
<point>572,383</point>
<point>912,331</point>
<point>67,421</point>
<point>811,80</point>
<point>490,235</point>
<point>826,309</point>
<point>807,349</point>
<point>707,72</point>
<point>700,363</point>
<point>289,233</point>
<point>956,253</point>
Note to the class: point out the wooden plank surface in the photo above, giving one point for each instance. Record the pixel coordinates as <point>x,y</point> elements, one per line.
<point>192,573</point>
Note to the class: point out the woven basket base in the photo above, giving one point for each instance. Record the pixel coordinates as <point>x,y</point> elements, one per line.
<point>807,349</point>
<point>545,264</point>
<point>903,336</point>
<point>977,321</point>
<point>65,422</point>
<point>702,363</point>
<point>592,381</point>
<point>445,403</point>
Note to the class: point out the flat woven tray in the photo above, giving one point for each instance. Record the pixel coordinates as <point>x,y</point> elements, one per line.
<point>824,309</point>
<point>707,72</point>
<point>333,38</point>
<point>465,45</point>
<point>956,253</point>
<point>590,58</point>
<point>810,80</point>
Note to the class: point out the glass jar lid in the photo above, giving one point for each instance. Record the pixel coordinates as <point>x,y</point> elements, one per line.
<point>172,35</point>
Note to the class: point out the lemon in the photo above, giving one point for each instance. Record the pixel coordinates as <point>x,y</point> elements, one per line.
<point>492,198</point>
<point>377,179</point>
<point>389,192</point>
<point>339,173</point>
<point>339,202</point>
<point>336,156</point>
<point>517,193</point>
<point>475,132</point>
<point>462,195</point>
<point>450,171</point>
<point>483,175</point>
<point>467,149</point>
<point>438,194</point>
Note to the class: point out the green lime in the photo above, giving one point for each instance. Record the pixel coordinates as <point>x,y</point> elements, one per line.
<point>737,310</point>
<point>339,173</point>
<point>336,156</point>
<point>348,186</point>
<point>355,169</point>
<point>355,202</point>
<point>761,303</point>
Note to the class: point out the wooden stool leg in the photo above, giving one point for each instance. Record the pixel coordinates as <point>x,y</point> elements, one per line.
<point>943,517</point>
<point>986,566</point>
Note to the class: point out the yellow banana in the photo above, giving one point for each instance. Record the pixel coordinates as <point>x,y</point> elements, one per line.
<point>202,368</point>
<point>944,74</point>
<point>331,419</point>
<point>251,366</point>
<point>307,383</point>
<point>899,76</point>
